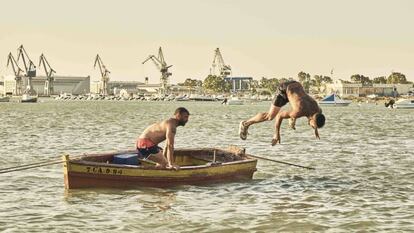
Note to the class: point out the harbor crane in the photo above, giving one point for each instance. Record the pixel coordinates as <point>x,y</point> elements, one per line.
<point>49,75</point>
<point>219,65</point>
<point>18,73</point>
<point>104,75</point>
<point>29,67</point>
<point>162,67</point>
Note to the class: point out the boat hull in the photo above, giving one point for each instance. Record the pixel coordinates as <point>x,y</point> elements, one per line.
<point>404,106</point>
<point>334,104</point>
<point>4,99</point>
<point>78,174</point>
<point>202,99</point>
<point>29,100</point>
<point>235,103</point>
<point>334,100</point>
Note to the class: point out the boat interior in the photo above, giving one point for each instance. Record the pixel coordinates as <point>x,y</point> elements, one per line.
<point>182,157</point>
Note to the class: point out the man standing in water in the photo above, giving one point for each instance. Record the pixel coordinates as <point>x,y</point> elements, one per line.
<point>147,143</point>
<point>301,105</point>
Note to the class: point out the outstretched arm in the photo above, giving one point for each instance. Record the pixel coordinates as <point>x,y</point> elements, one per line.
<point>169,145</point>
<point>278,122</point>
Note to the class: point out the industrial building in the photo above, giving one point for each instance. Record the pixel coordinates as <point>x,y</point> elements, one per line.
<point>130,86</point>
<point>151,88</point>
<point>76,85</point>
<point>239,84</point>
<point>359,90</point>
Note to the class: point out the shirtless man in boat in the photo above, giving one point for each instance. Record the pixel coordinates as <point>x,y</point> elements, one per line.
<point>147,143</point>
<point>301,105</point>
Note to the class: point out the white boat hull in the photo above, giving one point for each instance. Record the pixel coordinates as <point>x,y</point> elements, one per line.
<point>334,104</point>
<point>29,99</point>
<point>404,106</point>
<point>235,102</point>
<point>4,99</point>
<point>334,100</point>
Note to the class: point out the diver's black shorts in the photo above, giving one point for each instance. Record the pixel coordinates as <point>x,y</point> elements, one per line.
<point>281,98</point>
<point>146,152</point>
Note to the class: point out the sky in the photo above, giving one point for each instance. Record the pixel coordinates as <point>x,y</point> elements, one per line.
<point>262,38</point>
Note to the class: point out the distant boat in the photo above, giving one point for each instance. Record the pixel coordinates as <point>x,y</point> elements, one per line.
<point>251,98</point>
<point>235,101</point>
<point>182,98</point>
<point>404,104</point>
<point>334,100</point>
<point>373,96</point>
<point>196,97</point>
<point>26,98</point>
<point>4,99</point>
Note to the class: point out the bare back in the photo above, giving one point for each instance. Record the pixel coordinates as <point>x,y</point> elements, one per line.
<point>302,104</point>
<point>157,132</point>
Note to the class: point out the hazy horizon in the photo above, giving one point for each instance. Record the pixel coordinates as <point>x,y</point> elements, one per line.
<point>258,39</point>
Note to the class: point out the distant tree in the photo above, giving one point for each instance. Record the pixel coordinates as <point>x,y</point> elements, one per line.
<point>265,93</point>
<point>380,80</point>
<point>358,78</point>
<point>282,80</point>
<point>305,80</point>
<point>344,81</point>
<point>191,83</point>
<point>227,87</point>
<point>302,76</point>
<point>327,79</point>
<point>396,78</point>
<point>216,84</point>
<point>263,82</point>
<point>254,84</point>
<point>270,84</point>
<point>199,83</point>
<point>318,82</point>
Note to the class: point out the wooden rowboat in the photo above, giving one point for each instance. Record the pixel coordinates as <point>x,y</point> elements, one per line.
<point>197,166</point>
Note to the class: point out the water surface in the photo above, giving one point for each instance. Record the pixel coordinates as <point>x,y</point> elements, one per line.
<point>364,177</point>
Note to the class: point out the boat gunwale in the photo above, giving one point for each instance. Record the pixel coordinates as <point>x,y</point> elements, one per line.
<point>81,161</point>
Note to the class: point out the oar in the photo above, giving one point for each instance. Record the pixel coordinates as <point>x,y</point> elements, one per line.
<point>35,165</point>
<point>276,161</point>
<point>40,164</point>
<point>28,166</point>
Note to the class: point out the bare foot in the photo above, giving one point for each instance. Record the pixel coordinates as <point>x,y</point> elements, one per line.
<point>243,130</point>
<point>173,167</point>
<point>159,166</point>
<point>275,141</point>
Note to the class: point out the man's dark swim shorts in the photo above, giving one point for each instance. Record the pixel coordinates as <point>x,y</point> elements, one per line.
<point>281,98</point>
